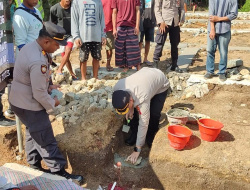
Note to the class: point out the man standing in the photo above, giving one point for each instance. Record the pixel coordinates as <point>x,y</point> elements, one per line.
<point>141,97</point>
<point>87,27</point>
<point>110,44</point>
<point>39,6</point>
<point>5,122</point>
<point>168,20</point>
<point>221,13</point>
<point>126,23</point>
<point>148,24</point>
<point>27,23</point>
<point>30,100</point>
<point>60,15</point>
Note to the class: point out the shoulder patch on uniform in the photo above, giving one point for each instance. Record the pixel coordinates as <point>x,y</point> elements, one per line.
<point>43,69</point>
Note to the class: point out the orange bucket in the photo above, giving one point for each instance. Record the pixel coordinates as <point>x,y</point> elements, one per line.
<point>209,129</point>
<point>178,136</point>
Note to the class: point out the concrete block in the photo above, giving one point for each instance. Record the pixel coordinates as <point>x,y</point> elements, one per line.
<point>234,63</point>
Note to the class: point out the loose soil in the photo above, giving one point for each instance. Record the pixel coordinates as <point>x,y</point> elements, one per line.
<point>222,103</point>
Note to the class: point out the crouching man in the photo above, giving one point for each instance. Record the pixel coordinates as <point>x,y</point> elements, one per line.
<point>30,100</point>
<point>141,97</point>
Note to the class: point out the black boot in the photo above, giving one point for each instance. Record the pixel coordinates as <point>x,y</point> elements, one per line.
<point>39,167</point>
<point>132,139</point>
<point>174,67</point>
<point>75,178</point>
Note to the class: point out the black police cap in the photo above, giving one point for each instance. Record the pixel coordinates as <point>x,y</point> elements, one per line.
<point>55,32</point>
<point>120,101</point>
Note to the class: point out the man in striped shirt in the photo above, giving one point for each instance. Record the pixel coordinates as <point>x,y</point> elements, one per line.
<point>221,13</point>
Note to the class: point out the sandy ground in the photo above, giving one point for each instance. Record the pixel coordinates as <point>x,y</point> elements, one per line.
<point>226,99</point>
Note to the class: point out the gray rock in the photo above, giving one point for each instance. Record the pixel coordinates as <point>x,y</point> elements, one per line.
<point>103,103</point>
<point>176,79</point>
<point>234,63</point>
<point>179,87</point>
<point>75,102</point>
<point>56,93</point>
<point>237,77</point>
<point>189,95</point>
<point>62,109</point>
<point>91,100</point>
<point>110,96</point>
<point>244,71</point>
<point>197,93</point>
<point>59,118</point>
<point>73,119</point>
<point>74,108</point>
<point>78,87</point>
<point>96,99</point>
<point>93,108</point>
<point>62,102</point>
<point>204,88</point>
<point>59,78</point>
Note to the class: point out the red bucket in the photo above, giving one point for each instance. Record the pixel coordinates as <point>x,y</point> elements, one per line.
<point>209,129</point>
<point>178,136</point>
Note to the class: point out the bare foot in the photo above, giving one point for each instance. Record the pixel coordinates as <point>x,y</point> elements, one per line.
<point>138,67</point>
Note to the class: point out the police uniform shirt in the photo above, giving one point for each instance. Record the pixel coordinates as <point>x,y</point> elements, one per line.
<point>168,10</point>
<point>29,89</point>
<point>143,86</point>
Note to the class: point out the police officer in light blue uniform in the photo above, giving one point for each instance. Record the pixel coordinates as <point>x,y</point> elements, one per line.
<point>30,100</point>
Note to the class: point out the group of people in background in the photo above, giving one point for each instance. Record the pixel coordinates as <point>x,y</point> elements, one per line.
<point>117,24</point>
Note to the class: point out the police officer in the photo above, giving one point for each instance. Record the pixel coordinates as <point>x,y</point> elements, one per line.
<point>141,97</point>
<point>30,100</point>
<point>169,15</point>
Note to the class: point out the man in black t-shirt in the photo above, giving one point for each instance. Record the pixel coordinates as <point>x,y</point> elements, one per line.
<point>60,15</point>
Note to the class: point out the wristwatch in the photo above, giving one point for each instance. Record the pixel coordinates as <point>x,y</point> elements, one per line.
<point>137,149</point>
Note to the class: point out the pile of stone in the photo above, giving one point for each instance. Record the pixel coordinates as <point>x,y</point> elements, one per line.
<point>236,71</point>
<point>183,89</point>
<point>83,97</point>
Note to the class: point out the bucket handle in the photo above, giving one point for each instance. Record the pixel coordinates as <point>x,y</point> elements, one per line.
<point>197,119</point>
<point>184,108</point>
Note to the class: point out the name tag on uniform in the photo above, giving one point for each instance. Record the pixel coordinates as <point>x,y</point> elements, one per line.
<point>125,128</point>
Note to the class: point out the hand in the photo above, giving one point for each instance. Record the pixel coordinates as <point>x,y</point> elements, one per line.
<point>163,27</point>
<point>137,31</point>
<point>29,187</point>
<point>181,23</point>
<point>133,157</point>
<point>115,33</point>
<point>212,34</point>
<point>54,86</point>
<point>214,19</point>
<point>56,101</point>
<point>104,41</point>
<point>78,42</point>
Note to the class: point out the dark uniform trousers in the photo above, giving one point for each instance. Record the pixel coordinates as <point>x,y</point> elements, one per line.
<point>174,35</point>
<point>156,105</point>
<point>40,140</point>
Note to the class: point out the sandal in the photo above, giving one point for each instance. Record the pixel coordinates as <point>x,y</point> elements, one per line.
<point>148,63</point>
<point>125,71</point>
<point>109,68</point>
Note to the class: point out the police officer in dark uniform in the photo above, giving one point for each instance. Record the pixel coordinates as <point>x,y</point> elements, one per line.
<point>31,102</point>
